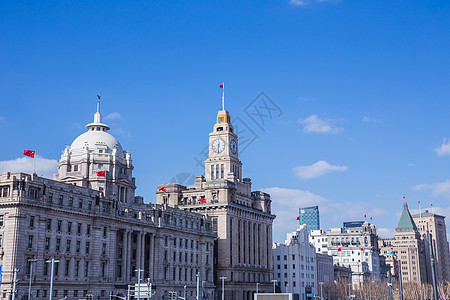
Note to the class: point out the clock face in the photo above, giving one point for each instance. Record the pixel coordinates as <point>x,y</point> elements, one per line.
<point>218,145</point>
<point>233,146</point>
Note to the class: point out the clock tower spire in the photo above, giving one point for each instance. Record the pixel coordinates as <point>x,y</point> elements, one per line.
<point>223,161</point>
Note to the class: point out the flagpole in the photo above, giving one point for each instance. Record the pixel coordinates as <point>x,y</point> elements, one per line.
<point>34,162</point>
<point>223,95</point>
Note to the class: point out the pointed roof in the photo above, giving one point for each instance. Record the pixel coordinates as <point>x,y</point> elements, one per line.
<point>406,223</point>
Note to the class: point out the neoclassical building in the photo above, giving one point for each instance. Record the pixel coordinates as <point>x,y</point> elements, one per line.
<point>99,233</point>
<point>241,218</point>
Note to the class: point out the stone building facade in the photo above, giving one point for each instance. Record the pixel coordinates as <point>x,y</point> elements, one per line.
<point>100,233</point>
<point>434,224</point>
<point>296,265</point>
<point>241,217</point>
<point>355,246</point>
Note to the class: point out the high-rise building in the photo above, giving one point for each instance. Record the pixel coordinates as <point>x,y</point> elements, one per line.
<point>430,223</point>
<point>310,217</point>
<point>242,218</point>
<point>97,231</point>
<point>295,265</point>
<point>409,249</point>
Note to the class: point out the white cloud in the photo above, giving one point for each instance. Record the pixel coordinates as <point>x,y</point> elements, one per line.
<point>314,124</point>
<point>367,119</point>
<point>298,2</point>
<point>306,2</point>
<point>385,232</point>
<point>113,116</point>
<point>45,167</point>
<point>443,149</point>
<point>285,205</point>
<point>317,169</point>
<point>438,188</point>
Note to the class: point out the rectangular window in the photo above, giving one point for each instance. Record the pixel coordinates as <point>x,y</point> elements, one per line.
<point>60,199</point>
<point>217,171</point>
<point>102,271</point>
<point>104,248</point>
<point>56,267</point>
<point>49,224</point>
<point>58,244</point>
<point>87,247</point>
<point>2,220</point>
<point>88,229</point>
<point>79,228</point>
<point>59,225</point>
<point>47,243</point>
<point>86,269</point>
<point>66,268</point>
<point>212,172</point>
<point>90,205</point>
<point>78,246</point>
<point>4,191</point>
<point>104,232</point>
<point>45,268</point>
<point>77,266</point>
<point>221,170</point>
<point>68,246</point>
<point>30,241</point>
<point>69,227</point>
<point>31,221</point>
<point>50,197</point>
<point>1,240</point>
<point>80,203</point>
<point>75,293</point>
<point>70,201</point>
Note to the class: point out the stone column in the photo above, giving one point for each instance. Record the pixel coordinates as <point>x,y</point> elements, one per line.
<point>138,251</point>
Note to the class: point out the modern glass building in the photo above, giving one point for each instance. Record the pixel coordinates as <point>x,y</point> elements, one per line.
<point>310,217</point>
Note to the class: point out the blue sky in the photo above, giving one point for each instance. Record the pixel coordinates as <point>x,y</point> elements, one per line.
<point>362,89</point>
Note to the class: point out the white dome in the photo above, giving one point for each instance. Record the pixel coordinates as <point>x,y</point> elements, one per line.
<point>93,139</point>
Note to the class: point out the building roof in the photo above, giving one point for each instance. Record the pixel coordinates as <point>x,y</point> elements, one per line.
<point>406,223</point>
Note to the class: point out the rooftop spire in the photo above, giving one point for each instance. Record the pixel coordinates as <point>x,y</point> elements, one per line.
<point>97,124</point>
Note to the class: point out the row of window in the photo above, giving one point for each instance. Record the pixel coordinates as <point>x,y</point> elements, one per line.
<point>293,267</point>
<point>68,226</point>
<point>68,266</point>
<point>302,275</point>
<point>307,259</point>
<point>48,242</point>
<point>70,201</point>
<point>65,293</point>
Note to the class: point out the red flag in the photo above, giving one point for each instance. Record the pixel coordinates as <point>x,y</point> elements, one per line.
<point>362,249</point>
<point>101,174</point>
<point>298,217</point>
<point>221,86</point>
<point>98,96</point>
<point>339,249</point>
<point>202,200</point>
<point>29,153</point>
<point>364,216</point>
<point>418,202</point>
<point>163,189</point>
<point>403,197</point>
<point>431,204</point>
<point>371,218</point>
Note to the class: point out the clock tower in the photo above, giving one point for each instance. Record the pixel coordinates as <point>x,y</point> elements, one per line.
<point>223,161</point>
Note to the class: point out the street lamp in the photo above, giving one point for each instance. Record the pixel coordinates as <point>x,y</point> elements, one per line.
<point>53,260</point>
<point>321,290</point>
<point>223,286</point>
<point>31,261</point>
<point>274,281</point>
<point>257,285</point>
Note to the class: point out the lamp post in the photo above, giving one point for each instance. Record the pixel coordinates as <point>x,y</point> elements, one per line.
<point>203,293</point>
<point>184,295</point>
<point>198,284</point>
<point>223,286</point>
<point>51,276</point>
<point>274,281</point>
<point>257,285</point>
<point>31,261</point>
<point>321,290</point>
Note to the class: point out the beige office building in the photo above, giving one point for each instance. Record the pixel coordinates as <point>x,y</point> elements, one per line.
<point>430,223</point>
<point>99,234</point>
<point>242,218</point>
